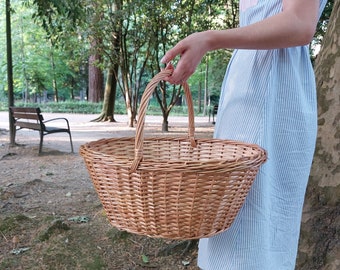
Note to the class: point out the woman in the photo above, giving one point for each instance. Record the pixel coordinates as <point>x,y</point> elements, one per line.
<point>268,97</point>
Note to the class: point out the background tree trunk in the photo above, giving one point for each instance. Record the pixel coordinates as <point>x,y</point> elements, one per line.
<point>9,69</point>
<point>319,243</point>
<point>107,113</point>
<point>96,78</point>
<point>54,76</point>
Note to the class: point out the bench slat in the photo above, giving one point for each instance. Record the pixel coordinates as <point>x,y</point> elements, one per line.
<point>26,109</point>
<point>35,126</point>
<point>32,116</point>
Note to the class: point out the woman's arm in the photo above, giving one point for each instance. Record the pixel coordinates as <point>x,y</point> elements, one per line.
<point>294,26</point>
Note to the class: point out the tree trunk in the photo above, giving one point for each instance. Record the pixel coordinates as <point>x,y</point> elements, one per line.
<point>206,91</point>
<point>165,123</point>
<point>96,80</point>
<point>23,60</point>
<point>54,76</point>
<point>319,243</point>
<point>9,69</point>
<point>200,97</point>
<point>130,112</point>
<point>108,109</point>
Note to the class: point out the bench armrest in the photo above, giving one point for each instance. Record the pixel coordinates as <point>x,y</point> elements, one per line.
<point>56,119</point>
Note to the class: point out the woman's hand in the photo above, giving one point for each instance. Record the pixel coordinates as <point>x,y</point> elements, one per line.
<point>191,50</point>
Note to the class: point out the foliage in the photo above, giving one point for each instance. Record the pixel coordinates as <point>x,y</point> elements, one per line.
<point>63,31</point>
<point>36,61</point>
<point>321,29</point>
<point>81,107</point>
<point>84,107</point>
<point>48,16</point>
<point>323,22</point>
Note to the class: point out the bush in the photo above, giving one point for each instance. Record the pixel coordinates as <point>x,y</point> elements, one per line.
<point>84,107</point>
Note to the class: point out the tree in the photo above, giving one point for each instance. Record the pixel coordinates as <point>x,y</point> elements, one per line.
<point>319,243</point>
<point>107,113</point>
<point>192,16</point>
<point>148,29</point>
<point>58,23</point>
<point>9,67</point>
<point>163,35</point>
<point>135,51</point>
<point>96,77</point>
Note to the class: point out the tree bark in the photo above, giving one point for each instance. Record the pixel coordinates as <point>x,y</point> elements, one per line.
<point>319,242</point>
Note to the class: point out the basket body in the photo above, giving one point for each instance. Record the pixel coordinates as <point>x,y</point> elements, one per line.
<point>178,191</point>
<point>177,188</point>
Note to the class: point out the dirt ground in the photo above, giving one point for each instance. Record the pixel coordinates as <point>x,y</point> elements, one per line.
<point>50,215</point>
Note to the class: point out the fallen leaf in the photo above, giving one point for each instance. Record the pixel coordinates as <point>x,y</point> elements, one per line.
<point>18,251</point>
<point>185,263</point>
<point>145,259</point>
<point>79,219</point>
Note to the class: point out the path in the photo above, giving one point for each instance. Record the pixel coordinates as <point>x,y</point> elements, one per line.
<point>83,130</point>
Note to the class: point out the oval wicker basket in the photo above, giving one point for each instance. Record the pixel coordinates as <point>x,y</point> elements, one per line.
<point>177,188</point>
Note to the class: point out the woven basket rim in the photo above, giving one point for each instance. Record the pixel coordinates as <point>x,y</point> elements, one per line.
<point>178,164</point>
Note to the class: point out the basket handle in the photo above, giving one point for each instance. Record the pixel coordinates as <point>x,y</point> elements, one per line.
<point>142,111</point>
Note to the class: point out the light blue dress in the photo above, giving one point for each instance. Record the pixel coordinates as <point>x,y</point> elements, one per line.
<point>269,98</point>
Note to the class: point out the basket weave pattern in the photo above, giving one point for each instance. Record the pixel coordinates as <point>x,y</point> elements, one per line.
<point>177,188</point>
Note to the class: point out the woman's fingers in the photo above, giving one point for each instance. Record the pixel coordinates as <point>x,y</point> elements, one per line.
<point>172,53</point>
<point>191,51</point>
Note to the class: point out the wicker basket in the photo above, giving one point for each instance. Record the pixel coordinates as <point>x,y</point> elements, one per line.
<point>177,188</point>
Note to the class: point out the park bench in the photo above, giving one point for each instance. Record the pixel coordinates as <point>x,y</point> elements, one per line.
<point>31,118</point>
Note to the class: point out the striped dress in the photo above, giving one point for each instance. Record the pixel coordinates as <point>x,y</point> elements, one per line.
<point>268,97</point>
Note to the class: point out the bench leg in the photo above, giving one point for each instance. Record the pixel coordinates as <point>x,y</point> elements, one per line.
<point>14,135</point>
<point>41,141</point>
<point>72,151</point>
